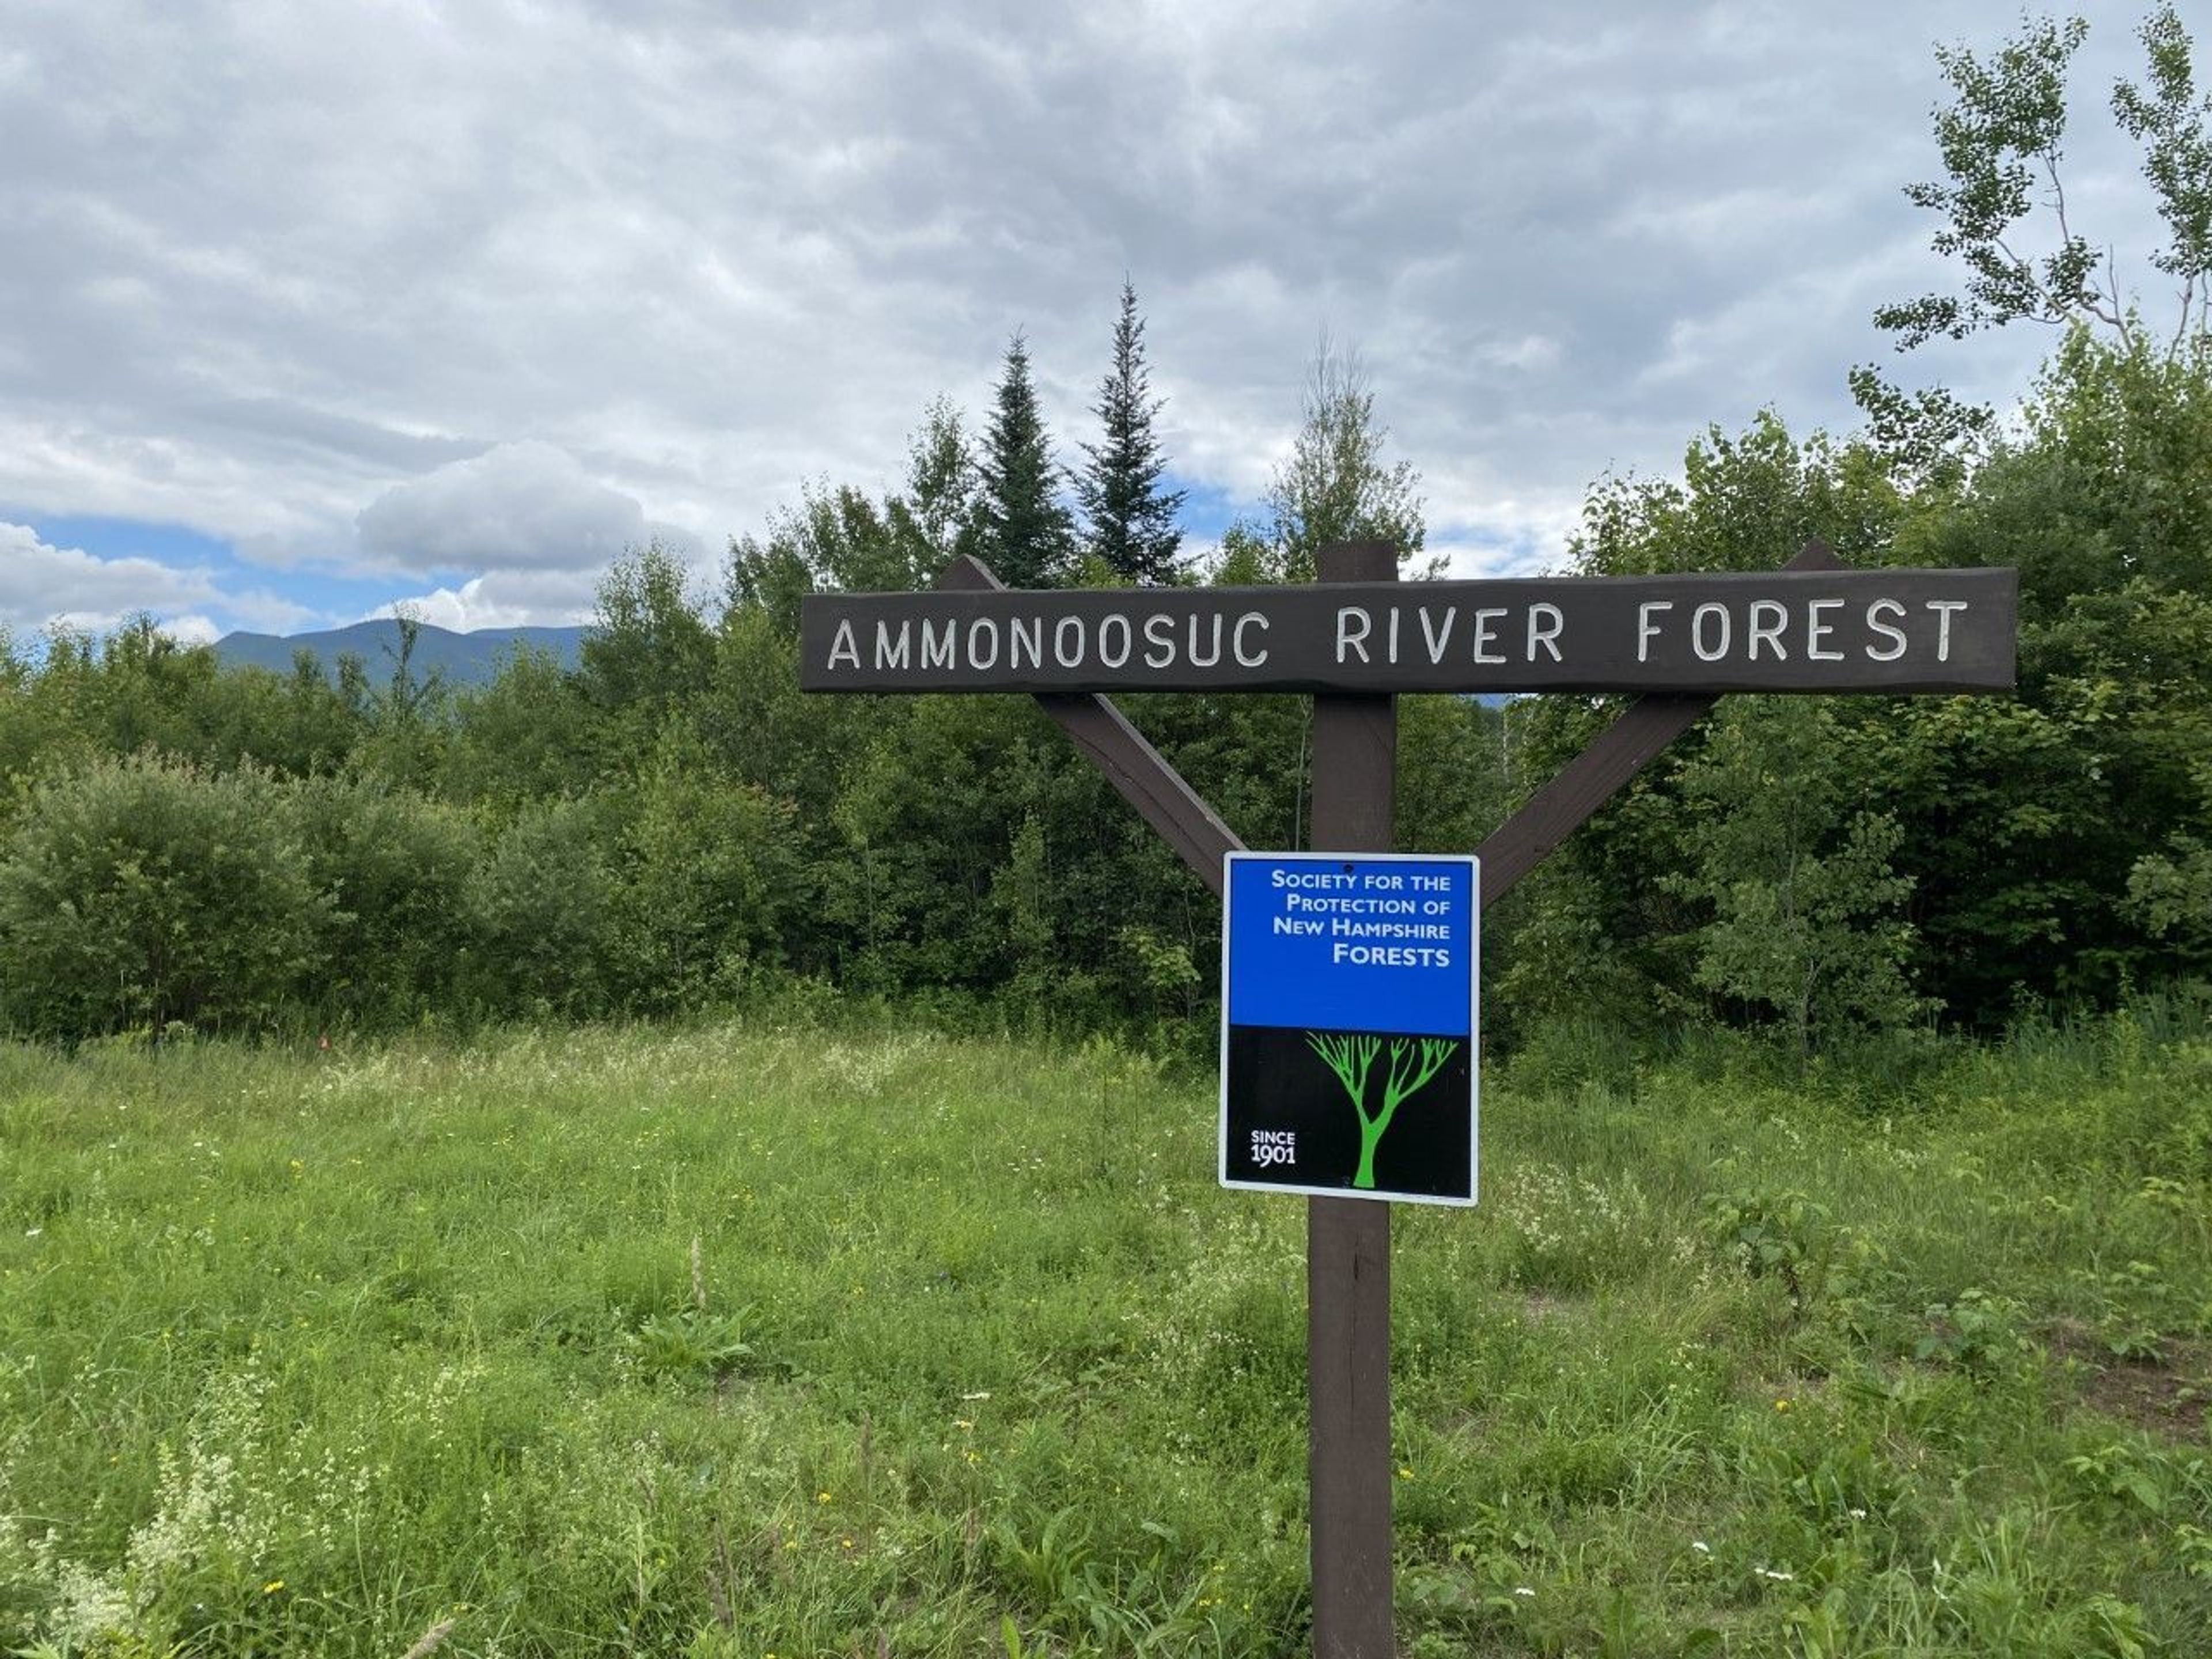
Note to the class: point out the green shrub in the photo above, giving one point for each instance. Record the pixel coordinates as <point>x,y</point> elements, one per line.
<point>143,893</point>
<point>1977,1331</point>
<point>1767,1232</point>
<point>541,903</point>
<point>394,871</point>
<point>709,877</point>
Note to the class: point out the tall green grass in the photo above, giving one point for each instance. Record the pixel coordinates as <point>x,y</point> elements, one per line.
<point>736,1341</point>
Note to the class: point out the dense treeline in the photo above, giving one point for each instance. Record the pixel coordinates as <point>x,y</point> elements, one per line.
<point>672,825</point>
<point>1967,850</point>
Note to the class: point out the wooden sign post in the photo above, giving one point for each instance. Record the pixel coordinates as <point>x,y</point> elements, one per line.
<point>1355,798</point>
<point>1355,638</point>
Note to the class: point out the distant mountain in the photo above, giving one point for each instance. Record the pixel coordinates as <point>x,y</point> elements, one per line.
<point>465,659</point>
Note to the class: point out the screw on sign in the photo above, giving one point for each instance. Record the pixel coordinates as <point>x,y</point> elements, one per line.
<point>1356,638</point>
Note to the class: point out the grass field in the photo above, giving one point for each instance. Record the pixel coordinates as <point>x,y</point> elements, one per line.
<point>749,1341</point>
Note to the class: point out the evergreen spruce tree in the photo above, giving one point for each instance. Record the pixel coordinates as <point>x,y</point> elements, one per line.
<point>1025,535</point>
<point>1132,521</point>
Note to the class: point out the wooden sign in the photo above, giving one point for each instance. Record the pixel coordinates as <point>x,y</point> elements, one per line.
<point>1357,638</point>
<point>1811,631</point>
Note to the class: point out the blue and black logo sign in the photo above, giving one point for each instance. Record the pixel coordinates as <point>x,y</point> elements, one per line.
<point>1348,1025</point>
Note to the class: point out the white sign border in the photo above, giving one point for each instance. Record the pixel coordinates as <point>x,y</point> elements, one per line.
<point>1474,865</point>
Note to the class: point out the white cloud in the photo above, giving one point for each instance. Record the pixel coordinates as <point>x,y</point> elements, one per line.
<point>192,630</point>
<point>529,292</point>
<point>260,610</point>
<point>518,507</point>
<point>41,585</point>
<point>1502,537</point>
<point>504,598</point>
<point>533,528</point>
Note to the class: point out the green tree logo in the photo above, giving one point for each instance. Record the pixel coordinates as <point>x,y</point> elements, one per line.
<point>1413,1061</point>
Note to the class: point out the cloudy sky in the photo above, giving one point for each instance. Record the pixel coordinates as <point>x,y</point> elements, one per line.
<point>309,307</point>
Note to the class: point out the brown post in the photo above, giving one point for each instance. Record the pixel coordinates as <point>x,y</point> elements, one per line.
<point>1355,754</point>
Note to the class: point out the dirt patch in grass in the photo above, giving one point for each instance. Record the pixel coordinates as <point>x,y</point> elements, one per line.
<point>2167,1396</point>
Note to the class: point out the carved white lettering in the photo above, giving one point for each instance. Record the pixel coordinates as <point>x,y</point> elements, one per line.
<point>1943,608</point>
<point>892,652</point>
<point>1114,656</point>
<point>1483,618</point>
<point>1770,632</point>
<point>938,652</point>
<point>1347,639</point>
<point>1438,638</point>
<point>1548,637</point>
<point>1197,661</point>
<point>1698,618</point>
<point>1159,641</point>
<point>1816,630</point>
<point>1896,635</point>
<point>1248,659</point>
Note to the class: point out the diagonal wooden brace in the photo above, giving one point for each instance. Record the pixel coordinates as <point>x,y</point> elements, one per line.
<point>1131,764</point>
<point>1595,776</point>
<point>1143,777</point>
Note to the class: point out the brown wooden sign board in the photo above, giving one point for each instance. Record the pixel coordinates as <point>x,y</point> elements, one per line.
<point>1662,635</point>
<point>1803,630</point>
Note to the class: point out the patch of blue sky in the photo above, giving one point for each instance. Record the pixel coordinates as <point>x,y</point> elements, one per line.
<point>1472,550</point>
<point>251,596</point>
<point>1207,510</point>
<point>174,545</point>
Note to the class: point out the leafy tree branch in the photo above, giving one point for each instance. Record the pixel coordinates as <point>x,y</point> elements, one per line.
<point>2001,140</point>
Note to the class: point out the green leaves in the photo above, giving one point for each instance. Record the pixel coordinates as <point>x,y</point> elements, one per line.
<point>1335,485</point>
<point>2000,135</point>
<point>691,1345</point>
<point>1802,897</point>
<point>2002,141</point>
<point>2176,136</point>
<point>1768,1234</point>
<point>1977,1331</point>
<point>141,893</point>
<point>709,877</point>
